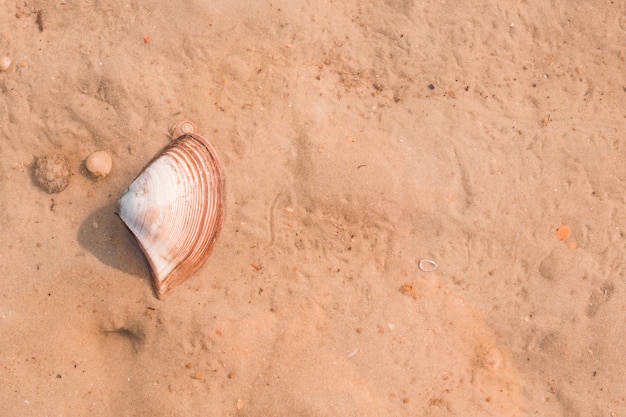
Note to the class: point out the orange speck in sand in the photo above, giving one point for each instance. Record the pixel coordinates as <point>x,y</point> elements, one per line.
<point>146,39</point>
<point>563,233</point>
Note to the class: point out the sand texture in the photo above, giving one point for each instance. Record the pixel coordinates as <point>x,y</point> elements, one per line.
<point>358,138</point>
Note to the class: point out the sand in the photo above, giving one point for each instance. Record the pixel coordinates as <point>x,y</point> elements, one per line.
<point>358,138</point>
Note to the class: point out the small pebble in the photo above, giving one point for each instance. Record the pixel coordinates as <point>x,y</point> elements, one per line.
<point>99,164</point>
<point>5,63</point>
<point>52,173</point>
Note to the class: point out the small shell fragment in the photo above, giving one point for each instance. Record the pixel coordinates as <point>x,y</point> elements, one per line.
<point>427,265</point>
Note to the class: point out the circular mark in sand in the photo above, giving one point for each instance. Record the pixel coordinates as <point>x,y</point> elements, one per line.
<point>622,22</point>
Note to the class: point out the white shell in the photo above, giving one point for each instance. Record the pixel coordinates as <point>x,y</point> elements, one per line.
<point>175,209</point>
<point>99,163</point>
<point>427,265</point>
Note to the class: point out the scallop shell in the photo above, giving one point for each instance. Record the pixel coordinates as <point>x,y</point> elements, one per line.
<point>175,209</point>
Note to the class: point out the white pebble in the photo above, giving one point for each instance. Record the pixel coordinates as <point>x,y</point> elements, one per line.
<point>5,63</point>
<point>99,163</point>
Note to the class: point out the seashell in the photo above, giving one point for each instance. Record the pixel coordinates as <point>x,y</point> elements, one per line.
<point>182,127</point>
<point>175,209</point>
<point>99,164</point>
<point>427,265</point>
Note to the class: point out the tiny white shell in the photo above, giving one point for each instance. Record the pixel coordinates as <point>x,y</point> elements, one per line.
<point>5,63</point>
<point>182,127</point>
<point>175,209</point>
<point>99,163</point>
<point>427,265</point>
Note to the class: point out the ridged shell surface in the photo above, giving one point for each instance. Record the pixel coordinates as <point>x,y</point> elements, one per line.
<point>175,209</point>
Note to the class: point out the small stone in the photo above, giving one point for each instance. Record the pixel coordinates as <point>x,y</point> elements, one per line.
<point>99,164</point>
<point>5,63</point>
<point>52,173</point>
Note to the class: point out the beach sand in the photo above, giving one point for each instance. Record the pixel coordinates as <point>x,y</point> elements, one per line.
<point>358,138</point>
